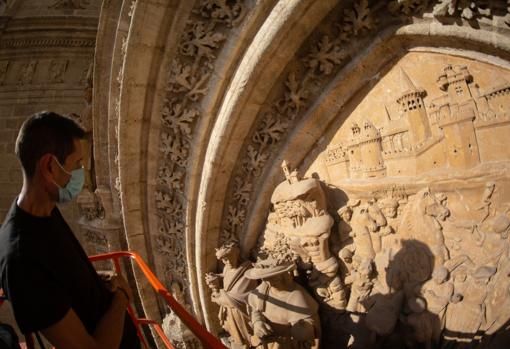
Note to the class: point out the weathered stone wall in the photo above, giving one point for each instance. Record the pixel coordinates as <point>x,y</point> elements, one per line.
<point>47,48</point>
<point>46,51</point>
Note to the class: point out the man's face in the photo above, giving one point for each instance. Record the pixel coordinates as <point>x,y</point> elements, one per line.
<point>71,163</point>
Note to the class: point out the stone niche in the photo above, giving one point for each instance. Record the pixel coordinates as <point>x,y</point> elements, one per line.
<point>398,228</point>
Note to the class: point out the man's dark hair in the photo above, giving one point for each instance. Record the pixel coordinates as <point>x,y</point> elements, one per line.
<point>46,132</point>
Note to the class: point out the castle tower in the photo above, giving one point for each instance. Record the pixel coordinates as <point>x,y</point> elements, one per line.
<point>457,116</point>
<point>413,109</point>
<point>371,151</point>
<point>454,81</point>
<point>354,152</point>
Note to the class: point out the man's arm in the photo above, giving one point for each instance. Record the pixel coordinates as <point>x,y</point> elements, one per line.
<point>69,333</point>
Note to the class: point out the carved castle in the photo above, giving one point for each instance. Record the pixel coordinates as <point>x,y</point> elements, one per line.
<point>457,131</point>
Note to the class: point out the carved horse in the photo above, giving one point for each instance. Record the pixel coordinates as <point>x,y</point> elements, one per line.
<point>420,222</point>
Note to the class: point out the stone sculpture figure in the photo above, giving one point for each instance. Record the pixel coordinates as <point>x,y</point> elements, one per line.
<point>362,226</point>
<point>345,213</point>
<point>486,200</point>
<point>376,214</point>
<point>232,298</point>
<point>389,207</point>
<point>361,287</point>
<point>385,304</point>
<point>301,215</point>
<point>497,303</point>
<point>467,315</point>
<point>494,234</point>
<point>438,292</point>
<point>420,221</point>
<point>283,314</point>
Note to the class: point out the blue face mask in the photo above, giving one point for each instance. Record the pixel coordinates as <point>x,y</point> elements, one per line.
<point>73,187</point>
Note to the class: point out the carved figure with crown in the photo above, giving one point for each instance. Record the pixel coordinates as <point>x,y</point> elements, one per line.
<point>300,215</point>
<point>232,297</point>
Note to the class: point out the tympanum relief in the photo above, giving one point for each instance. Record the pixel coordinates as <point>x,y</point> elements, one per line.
<point>396,234</point>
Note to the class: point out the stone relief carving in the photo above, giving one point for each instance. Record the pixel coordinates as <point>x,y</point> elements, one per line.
<point>90,205</point>
<point>421,133</point>
<point>57,70</point>
<point>27,72</point>
<point>419,257</point>
<point>300,216</point>
<point>47,42</point>
<point>96,238</point>
<point>229,13</point>
<point>86,75</point>
<point>407,7</point>
<point>319,63</point>
<point>97,242</point>
<point>283,314</point>
<point>187,82</point>
<point>232,296</point>
<point>323,58</point>
<point>180,336</point>
<point>465,9</point>
<point>457,9</point>
<point>89,202</point>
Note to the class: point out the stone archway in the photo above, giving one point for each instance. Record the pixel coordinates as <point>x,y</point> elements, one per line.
<point>210,99</point>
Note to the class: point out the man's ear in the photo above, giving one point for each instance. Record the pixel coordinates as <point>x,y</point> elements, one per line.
<point>46,167</point>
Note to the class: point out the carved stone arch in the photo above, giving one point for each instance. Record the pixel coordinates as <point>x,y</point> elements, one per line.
<point>141,38</point>
<point>277,40</point>
<point>247,66</point>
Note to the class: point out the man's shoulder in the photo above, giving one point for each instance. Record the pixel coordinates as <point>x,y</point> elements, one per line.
<point>18,239</point>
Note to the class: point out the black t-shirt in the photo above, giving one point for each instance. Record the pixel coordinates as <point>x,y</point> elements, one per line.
<point>44,272</point>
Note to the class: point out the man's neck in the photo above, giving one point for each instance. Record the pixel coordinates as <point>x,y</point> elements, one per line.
<point>35,201</point>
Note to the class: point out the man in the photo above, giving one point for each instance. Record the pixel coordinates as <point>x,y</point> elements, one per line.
<point>44,271</point>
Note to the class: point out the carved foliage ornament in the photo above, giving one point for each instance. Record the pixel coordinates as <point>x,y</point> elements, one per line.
<point>187,83</point>
<point>322,60</point>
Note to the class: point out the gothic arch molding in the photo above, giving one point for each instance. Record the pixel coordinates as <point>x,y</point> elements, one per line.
<point>242,72</point>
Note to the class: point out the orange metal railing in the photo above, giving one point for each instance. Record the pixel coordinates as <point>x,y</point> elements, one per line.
<point>207,339</point>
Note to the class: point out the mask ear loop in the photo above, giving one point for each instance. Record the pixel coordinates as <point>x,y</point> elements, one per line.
<point>61,167</point>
